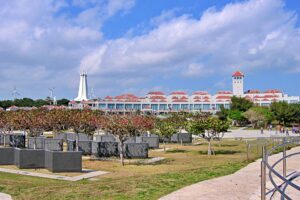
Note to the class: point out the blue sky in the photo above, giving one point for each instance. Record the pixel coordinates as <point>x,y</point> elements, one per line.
<point>136,46</point>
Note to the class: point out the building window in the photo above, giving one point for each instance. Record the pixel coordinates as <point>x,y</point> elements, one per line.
<point>128,106</point>
<point>163,107</point>
<point>120,106</point>
<point>111,106</point>
<point>137,106</point>
<point>206,106</point>
<point>154,106</point>
<point>175,106</point>
<point>197,106</point>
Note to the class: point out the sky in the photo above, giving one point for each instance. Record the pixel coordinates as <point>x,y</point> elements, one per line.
<point>137,46</point>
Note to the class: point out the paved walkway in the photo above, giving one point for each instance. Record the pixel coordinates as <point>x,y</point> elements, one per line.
<point>240,133</point>
<point>5,196</point>
<point>244,184</point>
<point>88,174</point>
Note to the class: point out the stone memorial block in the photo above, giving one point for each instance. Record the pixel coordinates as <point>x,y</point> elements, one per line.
<point>105,138</point>
<point>39,142</point>
<point>82,136</point>
<point>53,144</point>
<point>84,146</point>
<point>2,136</point>
<point>7,156</point>
<point>62,136</point>
<point>59,161</point>
<point>153,141</point>
<point>29,158</point>
<point>184,137</point>
<point>105,149</point>
<point>17,141</point>
<point>131,140</point>
<point>136,150</point>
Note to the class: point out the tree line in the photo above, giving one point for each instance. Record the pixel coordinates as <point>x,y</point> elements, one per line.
<point>243,112</point>
<point>28,102</point>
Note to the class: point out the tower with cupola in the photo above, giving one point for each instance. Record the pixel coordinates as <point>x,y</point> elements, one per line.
<point>238,83</point>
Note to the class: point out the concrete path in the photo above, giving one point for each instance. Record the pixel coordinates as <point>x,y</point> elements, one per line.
<point>5,196</point>
<point>244,184</point>
<point>88,174</point>
<point>240,133</point>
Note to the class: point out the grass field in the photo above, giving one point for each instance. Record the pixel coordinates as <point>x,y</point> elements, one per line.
<point>184,165</point>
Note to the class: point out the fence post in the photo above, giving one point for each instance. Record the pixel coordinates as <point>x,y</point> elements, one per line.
<point>284,160</point>
<point>248,148</point>
<point>263,174</point>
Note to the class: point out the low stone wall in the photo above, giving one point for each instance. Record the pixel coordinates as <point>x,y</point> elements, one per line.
<point>38,140</point>
<point>53,144</point>
<point>29,158</point>
<point>136,150</point>
<point>56,161</point>
<point>7,156</point>
<point>105,149</point>
<point>153,141</point>
<point>84,146</point>
<point>184,137</point>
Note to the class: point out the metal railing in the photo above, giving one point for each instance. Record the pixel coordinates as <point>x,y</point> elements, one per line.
<point>287,180</point>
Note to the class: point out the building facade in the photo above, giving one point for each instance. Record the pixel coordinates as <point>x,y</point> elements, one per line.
<point>178,101</point>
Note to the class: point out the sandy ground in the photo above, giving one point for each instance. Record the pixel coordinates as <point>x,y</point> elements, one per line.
<point>244,184</point>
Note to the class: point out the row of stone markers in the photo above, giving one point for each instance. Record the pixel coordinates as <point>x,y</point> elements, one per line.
<point>99,146</point>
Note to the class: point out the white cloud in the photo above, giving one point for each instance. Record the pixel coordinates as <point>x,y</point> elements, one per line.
<point>46,39</point>
<point>246,35</point>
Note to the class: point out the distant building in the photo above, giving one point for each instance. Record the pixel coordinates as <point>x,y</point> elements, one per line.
<point>159,102</point>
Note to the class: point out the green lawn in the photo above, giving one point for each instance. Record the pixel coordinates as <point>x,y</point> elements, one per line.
<point>184,165</point>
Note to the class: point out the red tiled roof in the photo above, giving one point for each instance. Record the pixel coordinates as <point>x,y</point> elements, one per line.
<point>157,97</point>
<point>224,92</point>
<point>273,91</point>
<point>178,93</point>
<point>179,100</point>
<point>200,93</point>
<point>126,96</point>
<point>237,73</point>
<point>253,92</point>
<point>156,93</point>
<point>223,97</point>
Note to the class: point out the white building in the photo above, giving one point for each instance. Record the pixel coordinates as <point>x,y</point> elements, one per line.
<point>159,102</point>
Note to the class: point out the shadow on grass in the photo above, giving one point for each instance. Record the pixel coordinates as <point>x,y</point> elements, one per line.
<point>222,152</point>
<point>176,151</point>
<point>229,145</point>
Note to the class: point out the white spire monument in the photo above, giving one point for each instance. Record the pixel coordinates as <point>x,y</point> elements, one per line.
<point>83,88</point>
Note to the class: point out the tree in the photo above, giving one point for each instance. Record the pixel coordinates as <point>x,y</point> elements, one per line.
<point>63,102</point>
<point>283,112</point>
<point>240,104</point>
<point>209,129</point>
<point>255,115</point>
<point>237,116</point>
<point>223,114</point>
<point>81,121</point>
<point>124,127</point>
<point>165,129</point>
<point>296,112</point>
